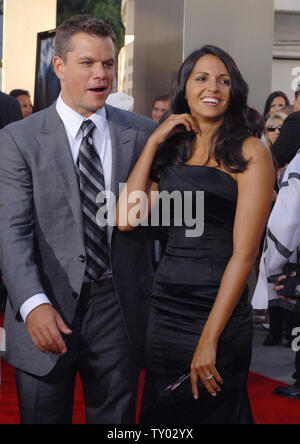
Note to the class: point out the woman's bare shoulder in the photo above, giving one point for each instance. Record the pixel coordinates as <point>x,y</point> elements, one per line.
<point>254,150</point>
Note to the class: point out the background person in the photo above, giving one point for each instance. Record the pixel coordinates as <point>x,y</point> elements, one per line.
<point>160,106</point>
<point>274,103</point>
<point>24,98</point>
<point>273,127</point>
<point>286,146</point>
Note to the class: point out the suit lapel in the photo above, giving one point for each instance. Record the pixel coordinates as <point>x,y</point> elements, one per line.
<point>54,141</point>
<point>123,139</point>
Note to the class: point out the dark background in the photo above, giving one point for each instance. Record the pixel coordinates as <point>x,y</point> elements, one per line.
<point>107,10</point>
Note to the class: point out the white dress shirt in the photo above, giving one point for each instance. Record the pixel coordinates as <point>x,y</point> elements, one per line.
<point>102,141</point>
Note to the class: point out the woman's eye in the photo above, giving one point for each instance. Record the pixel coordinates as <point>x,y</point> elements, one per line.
<point>200,78</point>
<point>225,82</point>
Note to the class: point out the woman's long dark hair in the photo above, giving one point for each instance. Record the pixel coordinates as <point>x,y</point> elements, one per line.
<point>229,137</point>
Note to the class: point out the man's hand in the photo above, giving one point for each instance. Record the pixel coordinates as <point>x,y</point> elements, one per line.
<point>45,326</point>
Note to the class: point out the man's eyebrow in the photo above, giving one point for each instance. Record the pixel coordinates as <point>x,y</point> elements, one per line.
<point>92,59</point>
<point>86,58</point>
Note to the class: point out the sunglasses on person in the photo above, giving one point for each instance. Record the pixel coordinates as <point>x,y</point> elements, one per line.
<point>273,128</point>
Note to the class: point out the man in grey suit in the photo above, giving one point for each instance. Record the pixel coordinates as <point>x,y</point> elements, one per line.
<point>78,292</point>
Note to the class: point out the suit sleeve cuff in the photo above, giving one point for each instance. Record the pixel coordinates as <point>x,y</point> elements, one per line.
<point>32,303</point>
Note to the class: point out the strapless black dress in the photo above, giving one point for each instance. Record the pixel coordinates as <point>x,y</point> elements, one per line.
<point>185,288</point>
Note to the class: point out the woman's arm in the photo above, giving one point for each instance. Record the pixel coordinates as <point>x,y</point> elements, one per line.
<point>255,190</point>
<point>138,182</point>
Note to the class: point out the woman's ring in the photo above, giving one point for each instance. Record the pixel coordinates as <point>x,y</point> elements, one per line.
<point>208,378</point>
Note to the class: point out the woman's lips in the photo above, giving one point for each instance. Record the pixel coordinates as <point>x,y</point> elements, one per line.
<point>210,101</point>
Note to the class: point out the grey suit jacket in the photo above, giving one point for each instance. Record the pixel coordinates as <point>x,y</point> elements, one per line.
<point>41,229</point>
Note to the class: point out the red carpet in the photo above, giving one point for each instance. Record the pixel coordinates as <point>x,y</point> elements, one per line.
<point>267,408</point>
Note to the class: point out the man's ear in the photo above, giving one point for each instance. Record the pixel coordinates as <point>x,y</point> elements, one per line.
<point>59,66</point>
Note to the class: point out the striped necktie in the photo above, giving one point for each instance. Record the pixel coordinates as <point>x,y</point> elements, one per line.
<point>91,180</point>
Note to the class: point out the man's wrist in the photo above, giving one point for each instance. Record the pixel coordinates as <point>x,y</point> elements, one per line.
<point>32,303</point>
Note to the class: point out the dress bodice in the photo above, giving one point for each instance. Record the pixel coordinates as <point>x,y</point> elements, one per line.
<point>220,197</point>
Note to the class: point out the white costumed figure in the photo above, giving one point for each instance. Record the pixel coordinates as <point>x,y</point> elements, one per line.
<point>282,242</point>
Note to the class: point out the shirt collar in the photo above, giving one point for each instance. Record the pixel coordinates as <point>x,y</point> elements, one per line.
<point>73,121</point>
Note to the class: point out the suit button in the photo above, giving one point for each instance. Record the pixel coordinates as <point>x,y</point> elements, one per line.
<point>82,258</point>
<point>75,295</point>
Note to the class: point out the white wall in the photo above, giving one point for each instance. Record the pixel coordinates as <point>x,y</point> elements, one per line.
<point>158,29</point>
<point>23,19</point>
<point>287,5</point>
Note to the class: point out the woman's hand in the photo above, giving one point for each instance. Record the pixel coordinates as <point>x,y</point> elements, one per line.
<point>204,367</point>
<point>174,124</point>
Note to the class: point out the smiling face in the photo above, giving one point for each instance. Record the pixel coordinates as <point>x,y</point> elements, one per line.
<point>87,74</point>
<point>208,89</point>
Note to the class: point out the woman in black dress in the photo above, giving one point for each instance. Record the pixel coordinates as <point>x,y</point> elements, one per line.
<point>200,315</point>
